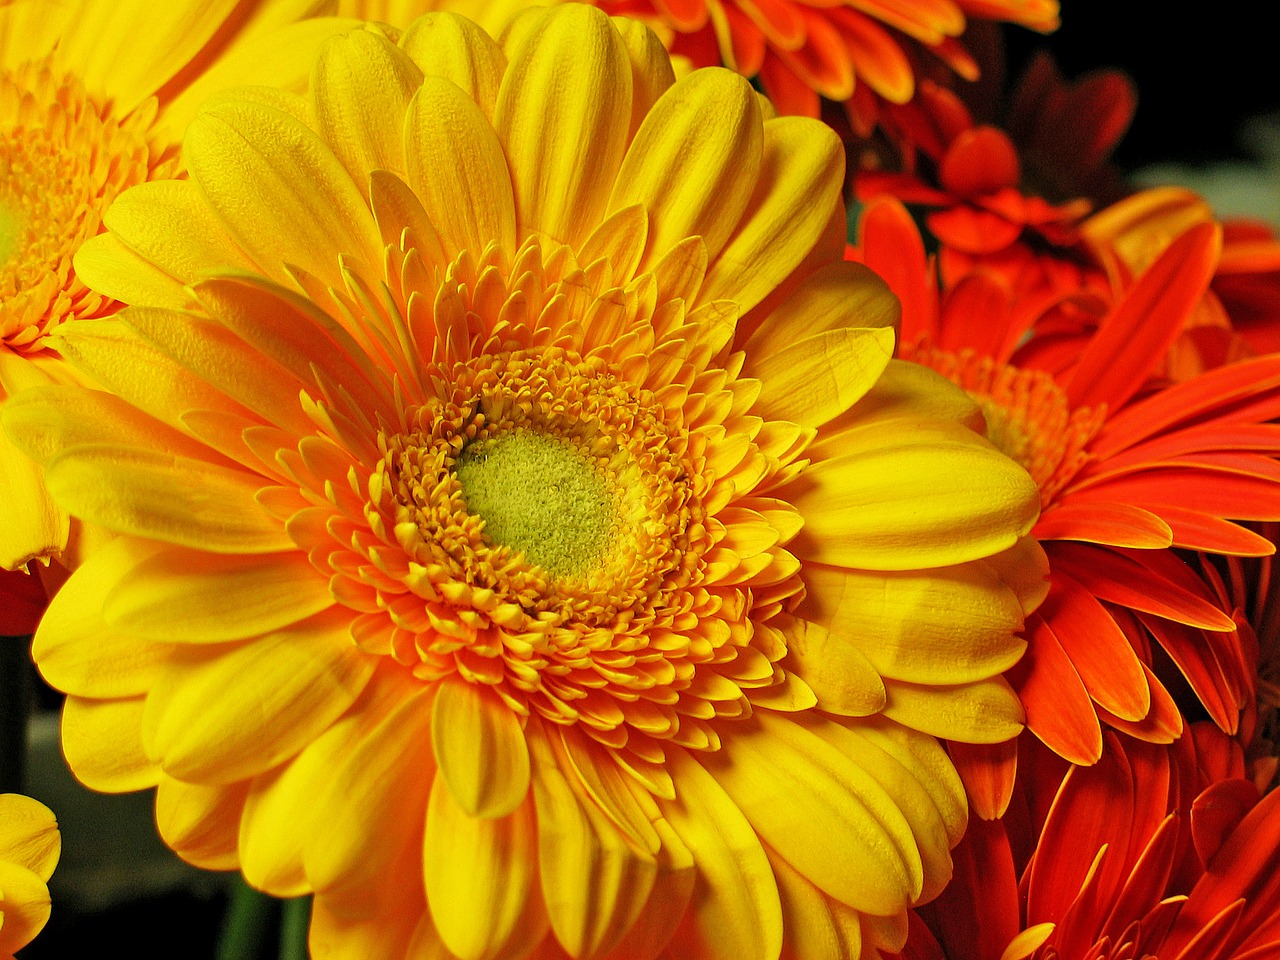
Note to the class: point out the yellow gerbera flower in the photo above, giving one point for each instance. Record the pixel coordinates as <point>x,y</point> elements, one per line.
<point>29,849</point>
<point>94,95</point>
<point>526,538</point>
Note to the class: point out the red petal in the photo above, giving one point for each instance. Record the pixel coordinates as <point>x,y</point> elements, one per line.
<point>977,313</point>
<point>1217,812</point>
<point>905,187</point>
<point>789,93</point>
<point>988,771</point>
<point>980,907</point>
<point>1194,653</point>
<point>1059,710</point>
<point>1151,584</point>
<point>891,246</point>
<point>1134,337</point>
<point>1097,647</point>
<point>971,229</point>
<point>1118,524</point>
<point>981,160</point>
<point>22,602</point>
<point>1163,724</point>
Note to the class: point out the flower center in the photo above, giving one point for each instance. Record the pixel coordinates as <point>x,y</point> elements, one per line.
<point>541,496</point>
<point>63,159</point>
<point>1028,415</point>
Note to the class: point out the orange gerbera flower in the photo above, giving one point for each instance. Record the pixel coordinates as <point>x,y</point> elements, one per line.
<point>1125,472</point>
<point>94,95</point>
<point>1153,852</point>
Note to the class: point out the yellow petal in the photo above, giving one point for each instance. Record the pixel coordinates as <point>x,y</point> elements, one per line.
<point>25,908</point>
<point>188,596</point>
<point>361,86</point>
<point>105,264</point>
<point>480,749</point>
<point>983,712</point>
<point>226,714</point>
<point>912,503</point>
<point>818,928</point>
<point>693,162</point>
<point>380,772</point>
<point>277,821</point>
<point>102,743</point>
<point>74,648</point>
<point>173,499</point>
<point>457,169</point>
<point>821,812</point>
<point>481,878</point>
<point>736,911</point>
<point>811,381</point>
<point>28,834</point>
<point>34,526</point>
<point>906,623</point>
<point>651,71</point>
<point>836,296</point>
<point>454,48</point>
<point>800,175</point>
<point>201,821</point>
<point>125,50</point>
<point>832,666</point>
<point>593,883</point>
<point>562,117</point>
<point>280,192</point>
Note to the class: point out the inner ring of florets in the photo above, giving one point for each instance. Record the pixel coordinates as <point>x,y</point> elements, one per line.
<point>547,480</point>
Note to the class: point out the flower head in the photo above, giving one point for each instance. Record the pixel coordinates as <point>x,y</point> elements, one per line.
<point>94,95</point>
<point>525,535</point>
<point>1128,467</point>
<point>29,849</point>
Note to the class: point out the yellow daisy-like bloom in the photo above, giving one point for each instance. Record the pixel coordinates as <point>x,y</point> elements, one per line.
<point>526,540</point>
<point>29,849</point>
<point>94,96</point>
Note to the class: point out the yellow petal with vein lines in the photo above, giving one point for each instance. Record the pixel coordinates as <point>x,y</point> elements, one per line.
<point>165,497</point>
<point>833,667</point>
<point>836,296</point>
<point>905,623</point>
<point>457,169</point>
<point>480,749</point>
<point>821,812</point>
<point>562,117</point>
<point>169,224</point>
<point>651,72</point>
<point>693,162</point>
<point>361,86</point>
<point>818,928</point>
<point>379,762</point>
<point>928,762</point>
<point>800,175</point>
<point>279,817</point>
<point>912,506</point>
<point>125,50</point>
<point>29,834</point>
<point>108,266</point>
<point>983,712</point>
<point>201,820</point>
<point>736,911</point>
<point>25,906</point>
<point>820,377</point>
<point>189,596</point>
<point>279,191</point>
<point>101,740</point>
<point>454,48</point>
<point>76,651</point>
<point>481,879</point>
<point>594,883</point>
<point>228,714</point>
<point>137,370</point>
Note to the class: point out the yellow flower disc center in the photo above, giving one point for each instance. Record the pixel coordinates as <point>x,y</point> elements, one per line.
<point>541,496</point>
<point>1028,415</point>
<point>63,158</point>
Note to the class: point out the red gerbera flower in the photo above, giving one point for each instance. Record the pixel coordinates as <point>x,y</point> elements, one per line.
<point>1127,469</point>
<point>865,53</point>
<point>1153,852</point>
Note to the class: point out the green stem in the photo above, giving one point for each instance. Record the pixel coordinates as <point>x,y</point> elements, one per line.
<point>246,924</point>
<point>17,691</point>
<point>295,920</point>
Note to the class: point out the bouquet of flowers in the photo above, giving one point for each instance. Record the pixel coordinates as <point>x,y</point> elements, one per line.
<point>683,479</point>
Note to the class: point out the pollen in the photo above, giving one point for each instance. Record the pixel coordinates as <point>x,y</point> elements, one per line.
<point>1028,415</point>
<point>541,496</point>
